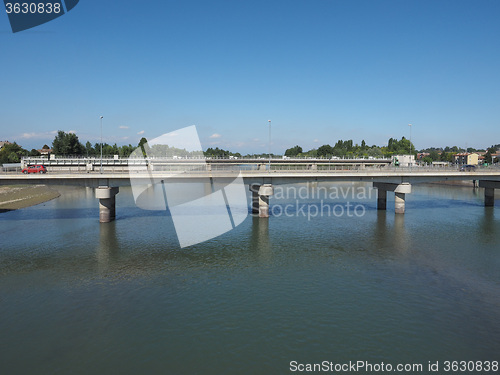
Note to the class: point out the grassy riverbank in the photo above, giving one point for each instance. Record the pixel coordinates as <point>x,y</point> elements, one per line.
<point>21,196</point>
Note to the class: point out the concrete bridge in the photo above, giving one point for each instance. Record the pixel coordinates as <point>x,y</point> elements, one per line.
<point>261,182</point>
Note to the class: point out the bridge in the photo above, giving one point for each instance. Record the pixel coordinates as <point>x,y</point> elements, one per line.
<point>260,180</point>
<point>90,164</point>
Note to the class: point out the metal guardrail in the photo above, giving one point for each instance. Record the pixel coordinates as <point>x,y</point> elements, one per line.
<point>275,157</point>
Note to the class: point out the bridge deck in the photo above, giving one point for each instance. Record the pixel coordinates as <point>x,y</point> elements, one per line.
<point>95,179</point>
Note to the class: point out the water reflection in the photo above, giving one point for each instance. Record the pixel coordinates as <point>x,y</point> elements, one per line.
<point>259,241</point>
<point>400,239</point>
<point>380,230</point>
<point>108,248</point>
<point>393,238</point>
<point>487,225</point>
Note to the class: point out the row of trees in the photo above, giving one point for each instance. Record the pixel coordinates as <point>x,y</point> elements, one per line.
<point>447,153</point>
<point>394,147</point>
<point>12,153</point>
<point>68,144</point>
<point>220,153</point>
<point>351,150</point>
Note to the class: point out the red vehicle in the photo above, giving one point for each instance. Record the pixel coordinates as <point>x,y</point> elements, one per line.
<point>35,169</point>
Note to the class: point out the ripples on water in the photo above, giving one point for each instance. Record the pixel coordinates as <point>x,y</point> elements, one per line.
<point>80,297</point>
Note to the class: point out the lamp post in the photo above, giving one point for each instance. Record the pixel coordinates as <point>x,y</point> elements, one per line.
<point>269,145</point>
<point>410,145</point>
<point>101,144</point>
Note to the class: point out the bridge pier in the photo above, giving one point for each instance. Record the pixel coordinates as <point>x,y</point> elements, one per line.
<point>265,191</point>
<point>107,203</point>
<point>399,203</point>
<point>381,199</point>
<point>400,191</point>
<point>260,198</point>
<point>489,191</point>
<point>254,188</point>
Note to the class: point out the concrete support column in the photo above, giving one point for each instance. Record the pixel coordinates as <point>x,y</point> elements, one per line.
<point>399,203</point>
<point>265,191</point>
<point>381,199</point>
<point>489,197</point>
<point>489,191</point>
<point>107,203</point>
<point>263,206</point>
<point>400,191</point>
<point>255,198</point>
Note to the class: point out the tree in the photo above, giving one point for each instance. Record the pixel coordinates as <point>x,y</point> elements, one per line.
<point>375,152</point>
<point>125,150</point>
<point>12,153</point>
<point>325,151</point>
<point>142,141</point>
<point>294,151</point>
<point>143,146</point>
<point>67,144</point>
<point>488,158</point>
<point>427,160</point>
<point>34,152</point>
<point>446,156</point>
<point>211,152</point>
<point>395,147</point>
<point>434,155</point>
<point>493,150</point>
<point>89,150</point>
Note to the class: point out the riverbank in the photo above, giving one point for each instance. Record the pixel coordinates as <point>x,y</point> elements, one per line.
<point>22,196</point>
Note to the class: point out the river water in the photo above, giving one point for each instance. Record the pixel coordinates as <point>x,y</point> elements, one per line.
<point>79,297</point>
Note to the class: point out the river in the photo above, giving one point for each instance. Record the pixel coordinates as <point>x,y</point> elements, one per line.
<point>81,297</point>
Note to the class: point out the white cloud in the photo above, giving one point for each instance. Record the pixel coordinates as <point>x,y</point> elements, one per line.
<point>316,141</point>
<point>28,135</point>
<point>215,135</point>
<point>141,132</point>
<point>123,127</point>
<point>45,135</point>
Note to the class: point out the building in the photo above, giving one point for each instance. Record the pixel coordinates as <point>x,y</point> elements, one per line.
<point>45,151</point>
<point>403,160</point>
<point>466,158</point>
<point>422,155</point>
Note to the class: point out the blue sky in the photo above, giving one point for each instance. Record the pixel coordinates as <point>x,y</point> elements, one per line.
<point>321,70</point>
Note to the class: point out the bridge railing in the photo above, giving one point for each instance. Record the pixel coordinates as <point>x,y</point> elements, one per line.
<point>249,167</point>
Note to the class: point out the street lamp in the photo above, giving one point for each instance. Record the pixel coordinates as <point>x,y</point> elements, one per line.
<point>101,144</point>
<point>269,145</point>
